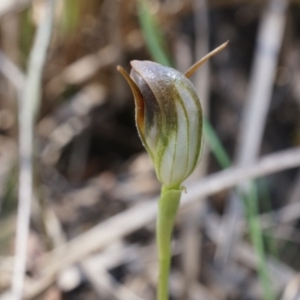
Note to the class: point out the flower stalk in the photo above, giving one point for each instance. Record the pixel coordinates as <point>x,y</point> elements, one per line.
<point>167,209</point>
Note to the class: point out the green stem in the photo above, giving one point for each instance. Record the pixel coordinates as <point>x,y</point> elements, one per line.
<point>167,208</point>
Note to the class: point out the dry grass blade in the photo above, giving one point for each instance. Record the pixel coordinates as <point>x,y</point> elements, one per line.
<point>11,72</point>
<point>29,103</point>
<point>10,5</point>
<point>261,82</point>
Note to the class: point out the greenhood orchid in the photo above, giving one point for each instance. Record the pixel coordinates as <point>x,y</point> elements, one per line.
<point>169,121</point>
<point>168,118</point>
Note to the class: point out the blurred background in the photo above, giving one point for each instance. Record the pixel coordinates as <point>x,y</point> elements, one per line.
<point>92,231</point>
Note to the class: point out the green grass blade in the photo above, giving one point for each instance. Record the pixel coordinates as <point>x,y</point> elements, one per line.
<point>215,145</point>
<point>251,207</point>
<point>152,34</point>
